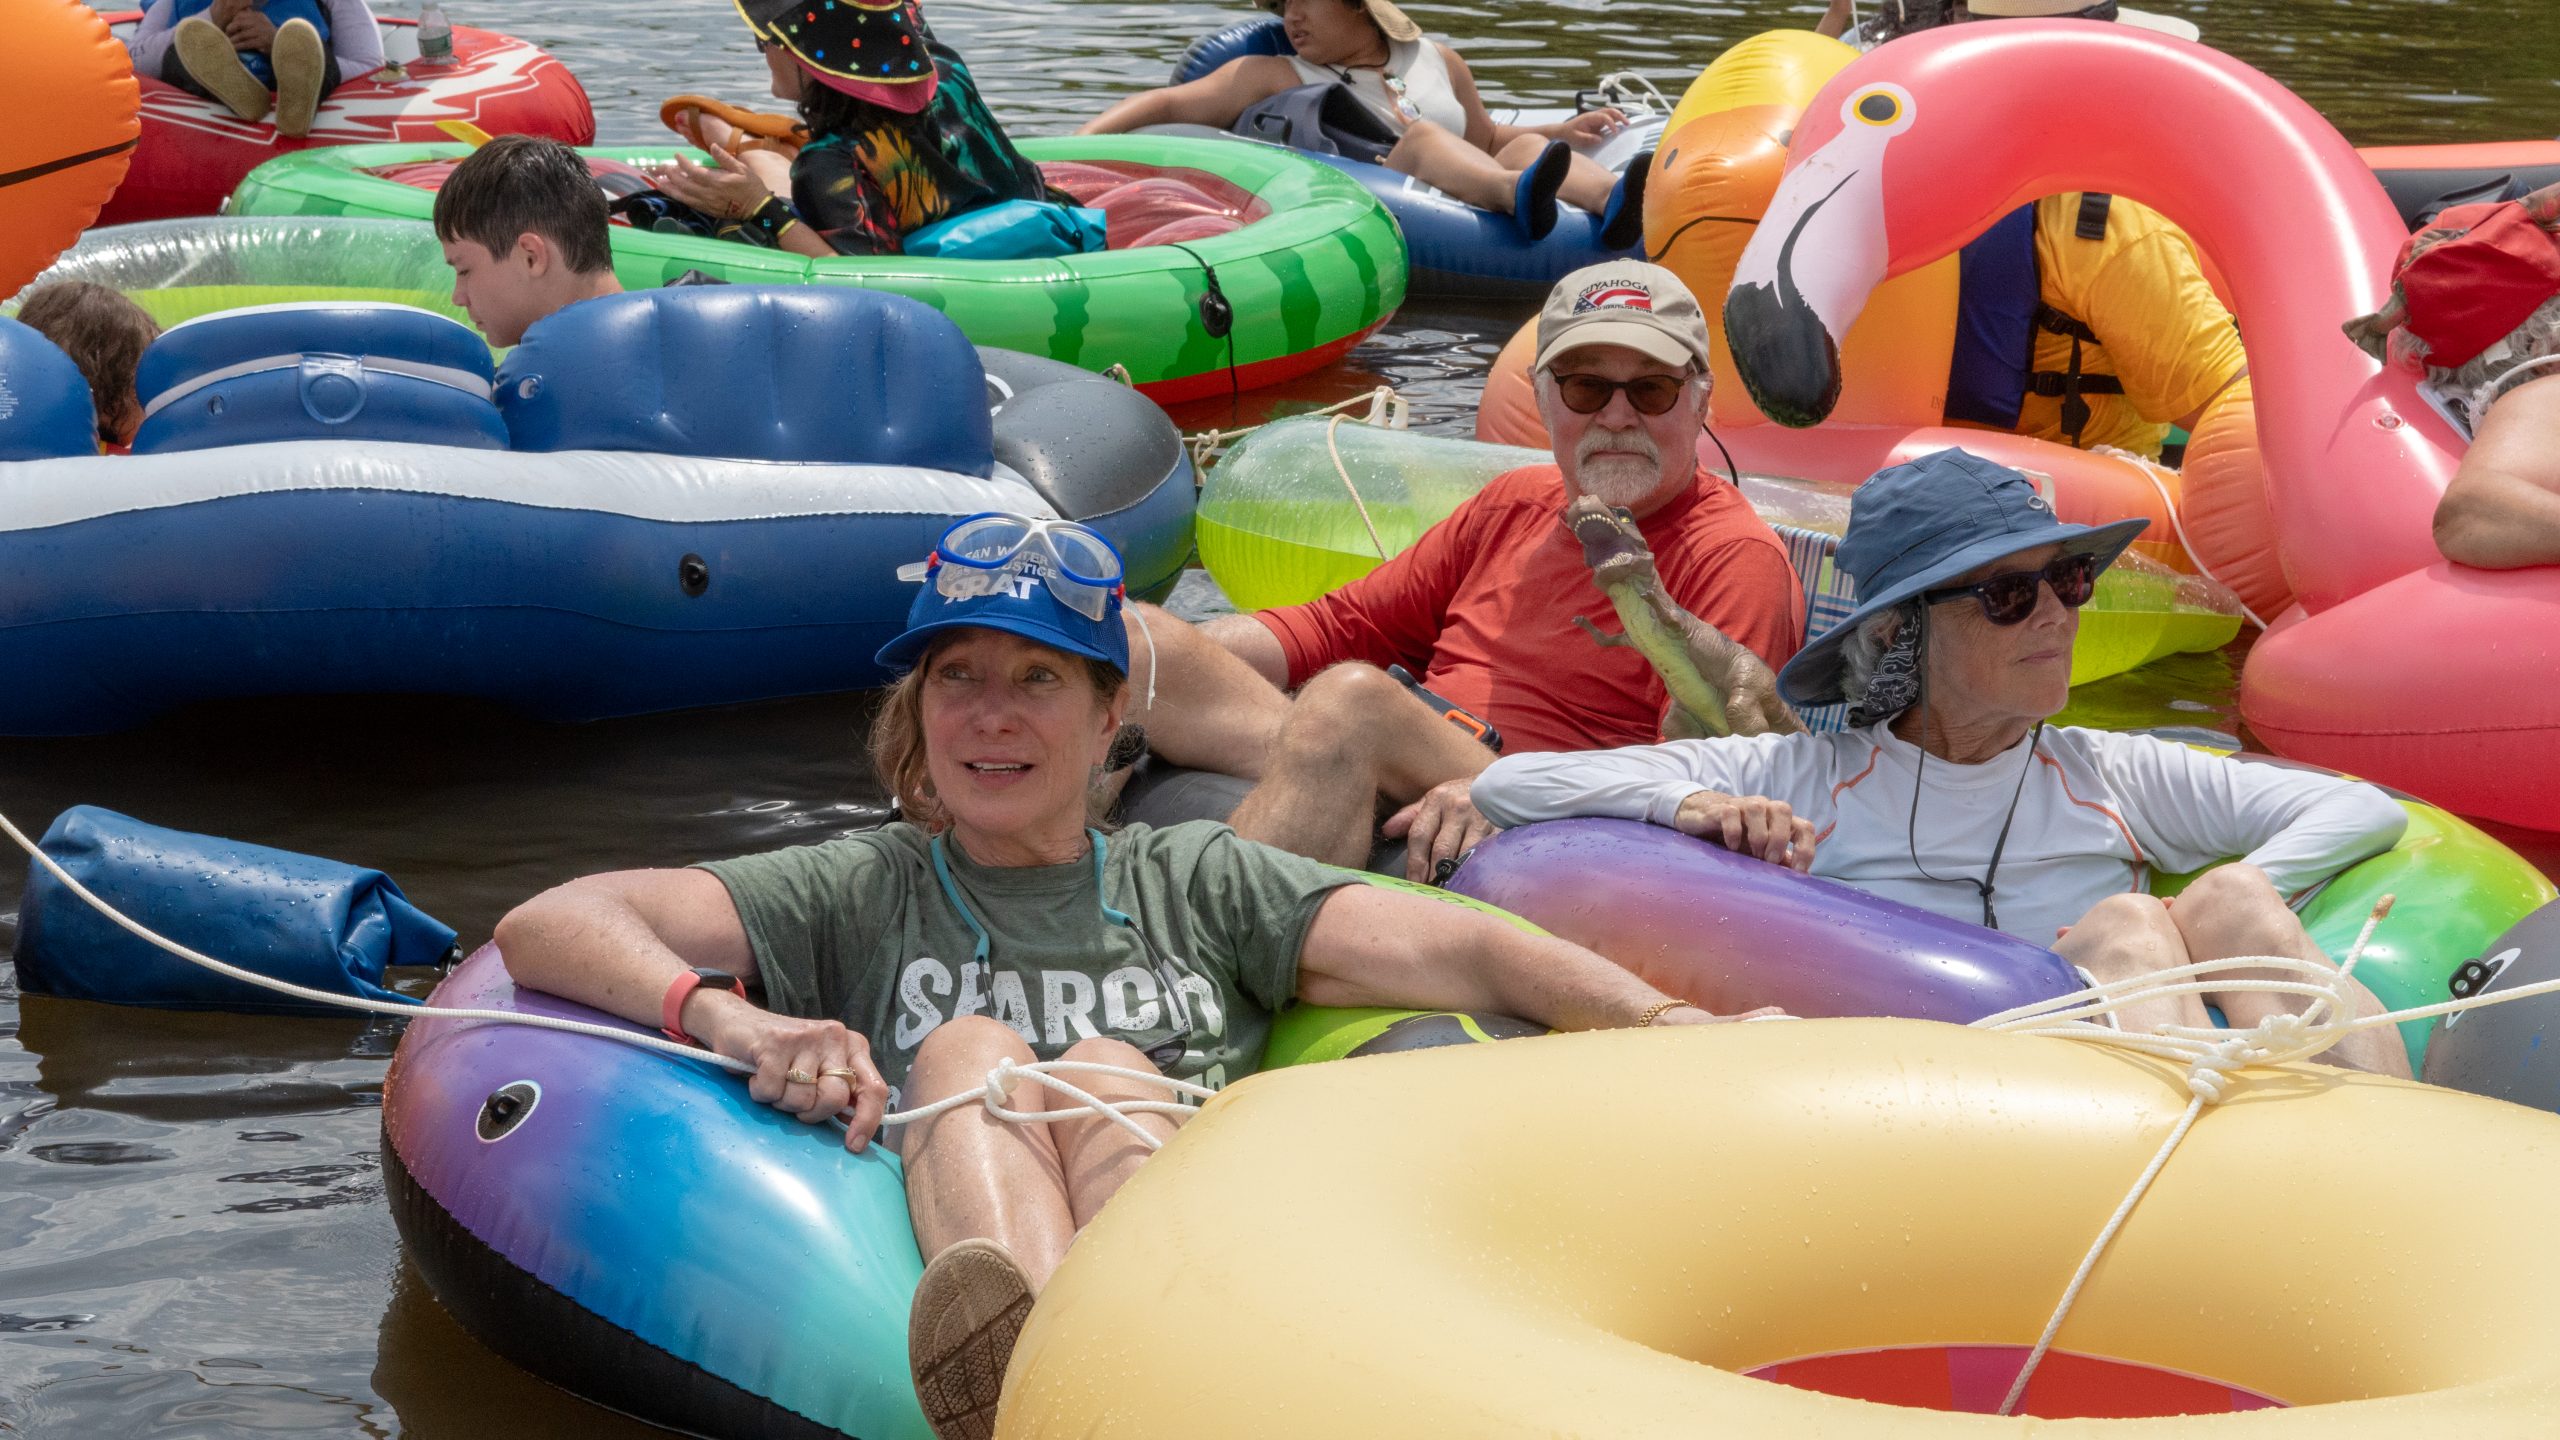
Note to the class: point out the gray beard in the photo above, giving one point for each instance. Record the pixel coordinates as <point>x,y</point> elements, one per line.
<point>1628,466</point>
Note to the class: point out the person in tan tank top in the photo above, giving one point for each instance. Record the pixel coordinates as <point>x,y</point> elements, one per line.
<point>1520,171</point>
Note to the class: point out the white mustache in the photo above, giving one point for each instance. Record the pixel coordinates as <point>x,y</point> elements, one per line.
<point>1617,442</point>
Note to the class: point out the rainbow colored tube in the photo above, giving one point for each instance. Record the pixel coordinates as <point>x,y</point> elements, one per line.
<point>636,1230</point>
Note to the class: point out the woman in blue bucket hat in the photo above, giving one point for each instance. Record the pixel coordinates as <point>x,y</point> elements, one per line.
<point>997,922</point>
<point>1949,791</point>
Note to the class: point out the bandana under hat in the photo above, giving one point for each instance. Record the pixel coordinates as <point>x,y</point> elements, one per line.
<point>2463,283</point>
<point>874,52</point>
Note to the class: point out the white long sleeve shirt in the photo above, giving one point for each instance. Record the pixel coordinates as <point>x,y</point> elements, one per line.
<point>2096,812</point>
<point>353,38</point>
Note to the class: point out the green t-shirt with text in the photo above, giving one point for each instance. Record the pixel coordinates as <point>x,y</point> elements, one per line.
<point>860,929</point>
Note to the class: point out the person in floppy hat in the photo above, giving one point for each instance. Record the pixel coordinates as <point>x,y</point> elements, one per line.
<point>1901,17</point>
<point>1303,701</point>
<point>1424,93</point>
<point>898,136</point>
<point>2475,306</point>
<point>1952,792</point>
<point>996,921</point>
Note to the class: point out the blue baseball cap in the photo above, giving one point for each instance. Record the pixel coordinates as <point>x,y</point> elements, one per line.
<point>1017,594</point>
<point>1922,523</point>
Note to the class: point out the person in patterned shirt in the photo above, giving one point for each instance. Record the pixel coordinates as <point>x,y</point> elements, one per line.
<point>898,138</point>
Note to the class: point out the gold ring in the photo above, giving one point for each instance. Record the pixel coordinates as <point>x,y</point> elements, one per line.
<point>842,1072</point>
<point>799,1077</point>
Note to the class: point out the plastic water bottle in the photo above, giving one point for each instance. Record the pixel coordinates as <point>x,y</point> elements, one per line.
<point>435,36</point>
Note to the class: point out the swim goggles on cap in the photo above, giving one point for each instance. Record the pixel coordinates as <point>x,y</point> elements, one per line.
<point>986,555</point>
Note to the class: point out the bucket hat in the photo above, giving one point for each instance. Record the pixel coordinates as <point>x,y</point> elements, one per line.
<point>871,51</point>
<point>1919,525</point>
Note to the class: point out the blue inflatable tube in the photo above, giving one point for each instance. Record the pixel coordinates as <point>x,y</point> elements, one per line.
<point>1454,250</point>
<point>749,552</point>
<point>44,399</point>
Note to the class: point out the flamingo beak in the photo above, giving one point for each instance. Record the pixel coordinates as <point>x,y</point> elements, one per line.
<point>1806,275</point>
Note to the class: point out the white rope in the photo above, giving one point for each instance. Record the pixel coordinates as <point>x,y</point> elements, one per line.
<point>2211,1055</point>
<point>1388,410</point>
<point>997,1089</point>
<point>1627,85</point>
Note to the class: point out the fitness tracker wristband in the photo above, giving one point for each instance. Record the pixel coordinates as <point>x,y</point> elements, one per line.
<point>672,1007</point>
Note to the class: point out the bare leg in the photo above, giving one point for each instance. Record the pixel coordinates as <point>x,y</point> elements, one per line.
<point>2125,937</point>
<point>1353,735</point>
<point>1445,160</point>
<point>1212,711</point>
<point>970,1175</point>
<point>2235,910</point>
<point>1098,1155</point>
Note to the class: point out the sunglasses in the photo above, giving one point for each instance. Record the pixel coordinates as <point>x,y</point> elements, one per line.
<point>2010,598</point>
<point>1650,394</point>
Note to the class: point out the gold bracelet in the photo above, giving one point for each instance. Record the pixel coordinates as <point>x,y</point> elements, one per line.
<point>1657,1011</point>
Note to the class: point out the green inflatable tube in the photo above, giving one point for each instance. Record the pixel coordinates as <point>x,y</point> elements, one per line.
<point>1304,1034</point>
<point>1306,282</point>
<point>2454,890</point>
<point>1305,506</point>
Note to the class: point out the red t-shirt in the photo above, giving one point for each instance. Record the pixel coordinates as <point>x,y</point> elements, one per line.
<point>1482,608</point>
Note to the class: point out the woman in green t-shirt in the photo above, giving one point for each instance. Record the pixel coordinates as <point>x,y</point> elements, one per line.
<point>1156,950</point>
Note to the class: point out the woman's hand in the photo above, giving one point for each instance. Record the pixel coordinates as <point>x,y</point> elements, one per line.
<point>1753,825</point>
<point>1588,129</point>
<point>1441,826</point>
<point>729,192</point>
<point>836,1060</point>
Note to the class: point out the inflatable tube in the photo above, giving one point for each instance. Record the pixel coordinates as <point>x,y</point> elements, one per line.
<point>64,71</point>
<point>2423,179</point>
<point>2439,682</point>
<point>48,413</point>
<point>1289,514</point>
<point>317,370</point>
<point>2497,1051</point>
<point>1314,266</point>
<point>1730,933</point>
<point>1900,1201</point>
<point>575,584</point>
<point>194,151</point>
<point>180,269</point>
<point>637,1231</point>
<point>1455,250</point>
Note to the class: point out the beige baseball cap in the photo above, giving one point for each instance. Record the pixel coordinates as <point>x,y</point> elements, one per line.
<point>2032,9</point>
<point>1624,302</point>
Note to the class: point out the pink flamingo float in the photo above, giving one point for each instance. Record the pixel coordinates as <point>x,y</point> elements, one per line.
<point>2394,665</point>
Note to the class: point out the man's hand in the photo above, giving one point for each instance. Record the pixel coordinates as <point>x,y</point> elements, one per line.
<point>1440,827</point>
<point>1753,825</point>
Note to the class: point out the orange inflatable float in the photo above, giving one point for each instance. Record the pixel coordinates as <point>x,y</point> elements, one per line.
<point>78,114</point>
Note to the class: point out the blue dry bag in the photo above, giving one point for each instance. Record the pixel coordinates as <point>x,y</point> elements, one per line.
<point>1012,230</point>
<point>314,922</point>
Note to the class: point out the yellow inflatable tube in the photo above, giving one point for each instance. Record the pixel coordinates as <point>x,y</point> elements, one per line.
<point>1599,1235</point>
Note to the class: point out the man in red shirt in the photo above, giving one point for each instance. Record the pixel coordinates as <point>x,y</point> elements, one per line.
<point>1483,606</point>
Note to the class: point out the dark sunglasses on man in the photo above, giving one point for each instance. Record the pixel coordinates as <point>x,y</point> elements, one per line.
<point>1650,394</point>
<point>2010,597</point>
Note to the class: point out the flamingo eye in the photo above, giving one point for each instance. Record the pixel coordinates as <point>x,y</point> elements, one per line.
<point>1877,107</point>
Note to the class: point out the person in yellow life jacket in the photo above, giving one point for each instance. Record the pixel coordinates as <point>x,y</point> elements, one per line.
<point>2086,319</point>
<point>2083,319</point>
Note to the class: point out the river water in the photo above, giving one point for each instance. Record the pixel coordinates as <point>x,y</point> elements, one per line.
<point>193,1241</point>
